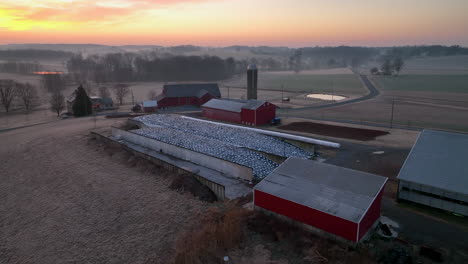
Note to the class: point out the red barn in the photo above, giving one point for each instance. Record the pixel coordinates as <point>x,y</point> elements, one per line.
<point>250,112</point>
<point>325,198</point>
<point>187,94</point>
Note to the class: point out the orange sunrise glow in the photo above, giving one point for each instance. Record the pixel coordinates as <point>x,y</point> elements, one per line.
<point>230,22</point>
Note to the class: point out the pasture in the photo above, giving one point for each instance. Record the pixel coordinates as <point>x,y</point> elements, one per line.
<point>445,65</point>
<point>430,83</point>
<point>342,82</point>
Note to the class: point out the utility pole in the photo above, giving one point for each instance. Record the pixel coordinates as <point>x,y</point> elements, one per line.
<point>333,90</point>
<point>133,98</point>
<point>391,117</point>
<point>282,95</point>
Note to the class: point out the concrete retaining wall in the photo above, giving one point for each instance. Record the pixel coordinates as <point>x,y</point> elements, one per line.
<point>228,168</point>
<point>217,189</point>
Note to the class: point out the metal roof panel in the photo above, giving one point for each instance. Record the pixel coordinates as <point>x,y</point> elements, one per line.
<point>438,159</point>
<point>338,191</point>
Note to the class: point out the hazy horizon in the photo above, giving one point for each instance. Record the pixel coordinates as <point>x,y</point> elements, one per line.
<point>227,46</point>
<point>297,23</point>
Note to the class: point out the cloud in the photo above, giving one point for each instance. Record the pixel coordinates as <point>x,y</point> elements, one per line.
<point>28,14</point>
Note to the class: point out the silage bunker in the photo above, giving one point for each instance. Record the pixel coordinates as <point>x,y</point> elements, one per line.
<point>230,144</point>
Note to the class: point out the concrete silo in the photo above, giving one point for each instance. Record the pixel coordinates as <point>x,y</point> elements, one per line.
<point>252,77</point>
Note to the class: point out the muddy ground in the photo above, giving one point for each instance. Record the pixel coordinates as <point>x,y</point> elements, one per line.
<point>65,200</point>
<point>334,130</point>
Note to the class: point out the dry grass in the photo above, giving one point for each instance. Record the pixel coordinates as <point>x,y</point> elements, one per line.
<point>219,231</point>
<point>299,246</point>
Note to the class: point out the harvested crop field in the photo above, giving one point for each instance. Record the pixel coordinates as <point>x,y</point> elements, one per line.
<point>66,199</point>
<point>334,131</point>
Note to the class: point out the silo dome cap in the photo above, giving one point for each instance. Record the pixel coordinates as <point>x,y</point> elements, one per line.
<point>252,67</point>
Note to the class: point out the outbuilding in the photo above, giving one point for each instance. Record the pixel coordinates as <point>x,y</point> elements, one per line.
<point>187,94</point>
<point>248,112</point>
<point>150,106</point>
<point>324,198</point>
<point>435,172</point>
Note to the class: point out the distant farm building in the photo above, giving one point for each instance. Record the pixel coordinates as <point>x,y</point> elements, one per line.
<point>327,199</point>
<point>435,172</point>
<point>249,112</point>
<point>187,94</point>
<point>98,103</point>
<point>150,106</point>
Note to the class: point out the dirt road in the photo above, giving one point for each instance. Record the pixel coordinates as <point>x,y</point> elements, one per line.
<point>65,201</point>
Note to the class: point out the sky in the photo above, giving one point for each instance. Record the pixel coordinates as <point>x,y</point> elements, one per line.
<point>293,23</point>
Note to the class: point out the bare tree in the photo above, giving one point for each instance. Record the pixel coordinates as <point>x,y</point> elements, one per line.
<point>386,67</point>
<point>88,86</point>
<point>57,102</point>
<point>28,95</point>
<point>7,93</point>
<point>295,61</point>
<point>398,65</point>
<point>121,90</point>
<point>152,95</point>
<point>104,92</point>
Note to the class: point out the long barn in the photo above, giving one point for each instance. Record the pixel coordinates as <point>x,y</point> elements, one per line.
<point>435,172</point>
<point>187,94</point>
<point>249,112</point>
<point>325,198</point>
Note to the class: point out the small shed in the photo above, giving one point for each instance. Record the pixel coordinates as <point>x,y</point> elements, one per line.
<point>328,199</point>
<point>249,112</point>
<point>435,172</point>
<point>150,106</point>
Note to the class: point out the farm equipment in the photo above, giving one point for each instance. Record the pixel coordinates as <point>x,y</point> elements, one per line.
<point>275,121</point>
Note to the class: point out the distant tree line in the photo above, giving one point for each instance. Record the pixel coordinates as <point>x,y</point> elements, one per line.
<point>125,67</point>
<point>421,51</point>
<point>20,67</point>
<point>33,54</point>
<point>310,58</point>
<point>390,66</point>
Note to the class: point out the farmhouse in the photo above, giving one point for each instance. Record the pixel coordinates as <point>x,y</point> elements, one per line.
<point>324,198</point>
<point>187,94</point>
<point>250,112</point>
<point>435,172</point>
<point>98,103</point>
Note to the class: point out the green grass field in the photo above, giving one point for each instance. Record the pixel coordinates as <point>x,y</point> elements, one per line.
<point>437,65</point>
<point>344,84</point>
<point>429,83</point>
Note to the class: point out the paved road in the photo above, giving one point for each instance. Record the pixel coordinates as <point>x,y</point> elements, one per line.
<point>421,230</point>
<point>373,92</point>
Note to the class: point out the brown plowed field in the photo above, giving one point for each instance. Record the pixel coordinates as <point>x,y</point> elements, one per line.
<point>334,131</point>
